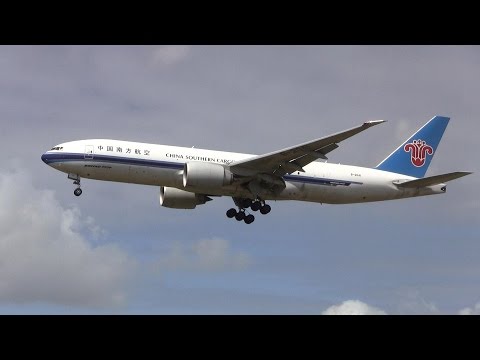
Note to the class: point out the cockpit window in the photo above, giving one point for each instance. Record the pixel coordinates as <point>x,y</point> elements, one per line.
<point>57,148</point>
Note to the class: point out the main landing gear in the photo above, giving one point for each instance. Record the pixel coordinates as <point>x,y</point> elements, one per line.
<point>76,178</point>
<point>243,204</point>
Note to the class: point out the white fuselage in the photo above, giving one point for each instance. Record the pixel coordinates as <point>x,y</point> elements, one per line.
<point>160,165</point>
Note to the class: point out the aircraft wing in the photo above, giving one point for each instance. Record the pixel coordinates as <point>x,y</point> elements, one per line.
<point>289,160</point>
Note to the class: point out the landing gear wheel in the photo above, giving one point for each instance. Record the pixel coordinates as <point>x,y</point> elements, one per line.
<point>249,219</point>
<point>256,206</point>
<point>231,213</point>
<point>245,203</point>
<point>76,181</point>
<point>265,209</point>
<point>240,216</point>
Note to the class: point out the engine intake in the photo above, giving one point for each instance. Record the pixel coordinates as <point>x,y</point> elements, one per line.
<point>180,199</point>
<point>200,175</point>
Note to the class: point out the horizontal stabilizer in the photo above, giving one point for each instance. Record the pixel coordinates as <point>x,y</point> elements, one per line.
<point>433,180</point>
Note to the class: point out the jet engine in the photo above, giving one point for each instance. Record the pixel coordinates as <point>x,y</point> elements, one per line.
<point>201,175</point>
<point>180,199</point>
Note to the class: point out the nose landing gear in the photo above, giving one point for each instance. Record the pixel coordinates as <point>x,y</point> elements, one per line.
<point>76,178</point>
<point>77,191</point>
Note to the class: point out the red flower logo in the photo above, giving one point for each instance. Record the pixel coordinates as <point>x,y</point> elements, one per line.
<point>418,152</point>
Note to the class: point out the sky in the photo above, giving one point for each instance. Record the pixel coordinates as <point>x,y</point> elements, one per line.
<point>115,250</point>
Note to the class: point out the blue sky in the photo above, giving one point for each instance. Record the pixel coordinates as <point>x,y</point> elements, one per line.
<point>115,250</point>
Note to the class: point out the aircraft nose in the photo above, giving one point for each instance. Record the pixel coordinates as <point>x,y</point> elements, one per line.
<point>45,158</point>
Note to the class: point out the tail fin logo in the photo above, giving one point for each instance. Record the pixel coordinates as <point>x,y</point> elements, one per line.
<point>418,151</point>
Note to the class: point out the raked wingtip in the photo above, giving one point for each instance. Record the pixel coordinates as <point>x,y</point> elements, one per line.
<point>374,122</point>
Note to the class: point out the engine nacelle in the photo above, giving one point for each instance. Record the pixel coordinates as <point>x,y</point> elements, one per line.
<point>180,199</point>
<point>201,175</point>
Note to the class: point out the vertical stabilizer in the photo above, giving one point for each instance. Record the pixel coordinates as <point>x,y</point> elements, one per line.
<point>413,157</point>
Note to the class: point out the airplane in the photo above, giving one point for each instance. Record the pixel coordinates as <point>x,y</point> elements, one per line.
<point>188,177</point>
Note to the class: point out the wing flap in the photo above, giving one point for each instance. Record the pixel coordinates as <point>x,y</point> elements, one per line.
<point>433,180</point>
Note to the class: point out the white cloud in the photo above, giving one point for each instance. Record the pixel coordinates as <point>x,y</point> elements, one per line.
<point>204,255</point>
<point>475,310</point>
<point>170,54</point>
<point>353,307</point>
<point>44,255</point>
<point>413,302</point>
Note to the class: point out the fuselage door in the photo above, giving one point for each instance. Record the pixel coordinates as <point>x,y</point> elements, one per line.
<point>89,152</point>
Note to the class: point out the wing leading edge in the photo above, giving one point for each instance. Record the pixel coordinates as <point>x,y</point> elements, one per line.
<point>294,158</point>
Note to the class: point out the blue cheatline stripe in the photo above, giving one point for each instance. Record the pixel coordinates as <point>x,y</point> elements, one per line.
<point>53,158</point>
<point>50,158</point>
<point>319,181</point>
